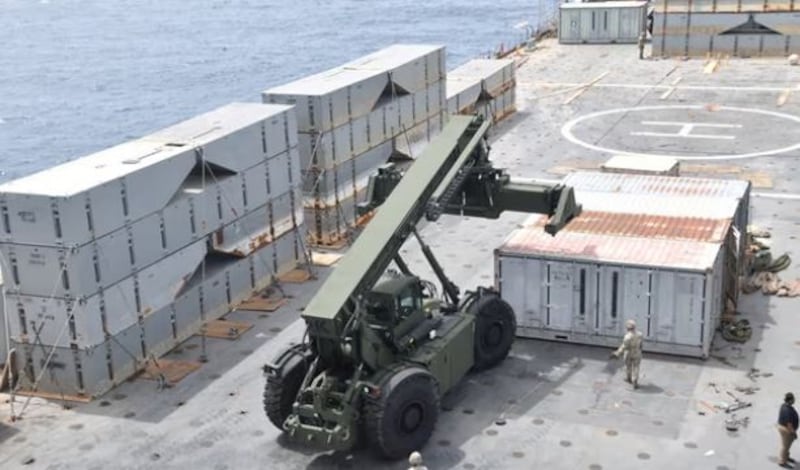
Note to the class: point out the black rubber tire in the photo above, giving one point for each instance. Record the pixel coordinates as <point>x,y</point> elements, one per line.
<point>404,417</point>
<point>280,392</point>
<point>495,329</point>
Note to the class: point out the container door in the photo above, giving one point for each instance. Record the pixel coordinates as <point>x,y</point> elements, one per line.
<point>604,20</point>
<point>627,17</point>
<point>585,298</point>
<point>521,286</point>
<point>587,24</point>
<point>573,32</point>
<point>535,310</point>
<point>560,295</point>
<point>609,317</point>
<point>636,302</point>
<point>689,294</point>
<point>662,320</point>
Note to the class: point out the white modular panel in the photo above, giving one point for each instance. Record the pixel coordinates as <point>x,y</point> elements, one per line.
<point>435,68</point>
<point>127,356</point>
<point>376,131</point>
<point>342,142</point>
<point>215,288</point>
<point>366,93</point>
<point>316,150</point>
<point>288,252</point>
<point>307,109</point>
<point>148,188</point>
<point>328,183</point>
<point>180,226</point>
<point>437,98</point>
<point>36,219</point>
<point>113,259</point>
<point>119,306</point>
<point>360,135</point>
<point>263,266</point>
<point>286,212</point>
<point>329,99</point>
<point>157,334</point>
<point>391,119</point>
<point>80,271</point>
<point>467,93</point>
<point>62,371</point>
<point>89,196</point>
<point>452,104</point>
<point>407,64</point>
<point>48,271</point>
<point>256,183</point>
<point>240,276</point>
<point>420,105</point>
<point>411,75</point>
<point>494,74</point>
<point>188,317</point>
<point>104,211</point>
<point>146,240</point>
<point>294,168</point>
<point>235,136</point>
<point>406,106</point>
<point>281,174</point>
<point>245,234</point>
<point>160,283</point>
<point>56,322</point>
<point>435,124</point>
<point>231,191</point>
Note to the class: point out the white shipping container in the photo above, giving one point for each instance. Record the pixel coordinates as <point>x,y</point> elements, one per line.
<point>583,284</point>
<point>602,22</point>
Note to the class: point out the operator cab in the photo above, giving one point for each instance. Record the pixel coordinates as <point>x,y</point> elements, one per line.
<point>393,300</point>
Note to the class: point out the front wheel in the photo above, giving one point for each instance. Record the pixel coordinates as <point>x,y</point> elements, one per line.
<point>283,385</point>
<point>495,328</point>
<point>403,418</point>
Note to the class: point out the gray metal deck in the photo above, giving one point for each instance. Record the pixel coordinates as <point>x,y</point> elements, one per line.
<point>564,406</point>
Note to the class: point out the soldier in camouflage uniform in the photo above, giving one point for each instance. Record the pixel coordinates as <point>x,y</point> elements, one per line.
<point>631,349</point>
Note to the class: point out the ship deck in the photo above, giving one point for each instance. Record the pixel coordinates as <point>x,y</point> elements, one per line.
<point>549,405</point>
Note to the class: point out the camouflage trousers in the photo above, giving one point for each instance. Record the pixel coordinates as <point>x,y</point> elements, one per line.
<point>632,370</point>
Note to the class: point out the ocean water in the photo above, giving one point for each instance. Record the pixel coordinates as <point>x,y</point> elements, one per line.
<point>77,76</point>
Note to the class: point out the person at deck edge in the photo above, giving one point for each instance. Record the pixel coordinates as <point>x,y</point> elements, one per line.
<point>631,347</point>
<point>787,427</point>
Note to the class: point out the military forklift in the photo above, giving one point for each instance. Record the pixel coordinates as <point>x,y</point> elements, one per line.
<point>381,345</point>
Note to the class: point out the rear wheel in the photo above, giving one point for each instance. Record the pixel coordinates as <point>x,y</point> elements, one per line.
<point>495,328</point>
<point>403,418</point>
<point>281,389</point>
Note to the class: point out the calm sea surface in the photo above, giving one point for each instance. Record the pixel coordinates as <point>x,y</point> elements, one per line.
<point>77,76</point>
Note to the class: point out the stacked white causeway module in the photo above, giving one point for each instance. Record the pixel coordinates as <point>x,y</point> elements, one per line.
<point>483,86</point>
<point>117,257</point>
<point>353,118</point>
